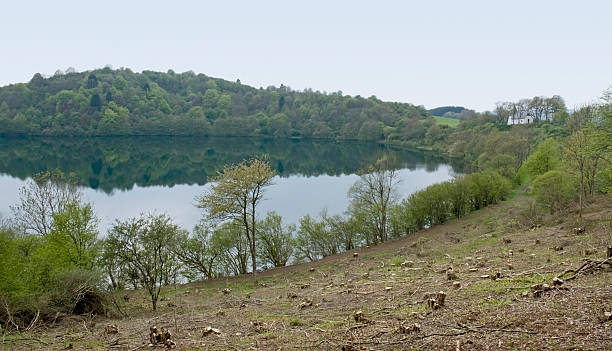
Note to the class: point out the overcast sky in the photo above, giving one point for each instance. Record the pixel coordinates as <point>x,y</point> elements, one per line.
<point>432,53</point>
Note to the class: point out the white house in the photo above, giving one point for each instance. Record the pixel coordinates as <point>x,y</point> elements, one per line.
<point>520,118</point>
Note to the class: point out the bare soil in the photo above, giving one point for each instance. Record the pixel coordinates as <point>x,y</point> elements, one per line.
<point>499,258</point>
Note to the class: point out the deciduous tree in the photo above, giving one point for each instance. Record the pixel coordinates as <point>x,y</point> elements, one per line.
<point>373,195</point>
<point>235,194</point>
<point>43,196</point>
<point>275,240</point>
<point>143,246</point>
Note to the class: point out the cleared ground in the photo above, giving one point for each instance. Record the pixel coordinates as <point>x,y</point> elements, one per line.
<point>497,255</point>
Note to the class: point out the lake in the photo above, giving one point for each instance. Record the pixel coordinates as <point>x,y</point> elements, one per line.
<point>125,176</point>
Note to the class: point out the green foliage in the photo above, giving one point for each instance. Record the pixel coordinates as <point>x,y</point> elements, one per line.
<point>235,195</point>
<point>198,253</point>
<point>74,236</point>
<point>504,164</point>
<point>51,266</point>
<point>144,248</point>
<point>370,130</point>
<point>554,190</point>
<point>51,274</point>
<point>588,150</point>
<point>438,203</point>
<point>275,240</point>
<point>315,239</point>
<point>230,240</point>
<point>447,121</point>
<point>155,103</point>
<point>440,111</point>
<point>79,291</point>
<point>545,158</point>
<point>12,265</point>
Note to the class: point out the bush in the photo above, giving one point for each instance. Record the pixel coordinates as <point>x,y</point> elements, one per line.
<point>314,240</point>
<point>438,203</point>
<point>144,247</point>
<point>79,291</point>
<point>545,158</point>
<point>274,240</point>
<point>553,190</point>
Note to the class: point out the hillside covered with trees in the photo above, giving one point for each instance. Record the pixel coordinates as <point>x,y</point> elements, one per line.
<point>122,102</point>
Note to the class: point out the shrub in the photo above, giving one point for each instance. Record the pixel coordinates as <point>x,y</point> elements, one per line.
<point>144,247</point>
<point>314,240</point>
<point>545,158</point>
<point>79,291</point>
<point>438,203</point>
<point>554,190</point>
<point>275,240</point>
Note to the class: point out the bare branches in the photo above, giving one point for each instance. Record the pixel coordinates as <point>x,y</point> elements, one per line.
<point>373,195</point>
<point>43,196</point>
<point>144,247</point>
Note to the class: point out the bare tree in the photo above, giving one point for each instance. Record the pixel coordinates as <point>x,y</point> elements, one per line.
<point>537,107</point>
<point>503,110</point>
<point>42,197</point>
<point>373,196</point>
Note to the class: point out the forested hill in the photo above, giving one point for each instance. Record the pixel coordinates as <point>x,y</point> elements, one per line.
<point>121,102</point>
<point>440,111</point>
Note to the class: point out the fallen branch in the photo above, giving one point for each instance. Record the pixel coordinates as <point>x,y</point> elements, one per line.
<point>364,292</point>
<point>29,339</point>
<point>587,266</point>
<point>33,321</point>
<point>9,316</point>
<point>531,270</point>
<point>479,328</point>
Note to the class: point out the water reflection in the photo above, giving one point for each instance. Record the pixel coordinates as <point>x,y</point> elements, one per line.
<point>121,163</point>
<point>123,177</point>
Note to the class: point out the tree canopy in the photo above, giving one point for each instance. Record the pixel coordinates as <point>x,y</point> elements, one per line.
<point>235,194</point>
<point>122,102</point>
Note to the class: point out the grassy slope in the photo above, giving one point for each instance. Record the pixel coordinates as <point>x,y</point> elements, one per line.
<point>272,311</point>
<point>452,122</point>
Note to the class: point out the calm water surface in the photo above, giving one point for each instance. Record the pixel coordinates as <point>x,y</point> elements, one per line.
<point>123,177</point>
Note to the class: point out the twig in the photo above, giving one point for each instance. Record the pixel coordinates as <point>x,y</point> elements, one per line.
<point>118,308</point>
<point>32,339</point>
<point>34,321</point>
<point>531,270</point>
<point>356,327</point>
<point>8,313</point>
<point>588,265</point>
<point>138,347</point>
<point>478,328</point>
<point>363,292</point>
<point>316,345</point>
<point>445,334</point>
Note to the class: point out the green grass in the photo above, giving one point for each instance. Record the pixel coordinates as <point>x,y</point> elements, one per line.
<point>396,260</point>
<point>296,322</point>
<point>451,122</point>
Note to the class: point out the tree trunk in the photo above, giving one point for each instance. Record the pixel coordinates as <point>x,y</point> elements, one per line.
<point>253,256</point>
<point>581,190</point>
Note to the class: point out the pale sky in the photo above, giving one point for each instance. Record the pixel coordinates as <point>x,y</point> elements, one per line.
<point>431,53</point>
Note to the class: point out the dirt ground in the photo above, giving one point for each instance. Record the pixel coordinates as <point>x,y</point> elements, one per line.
<point>495,269</point>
